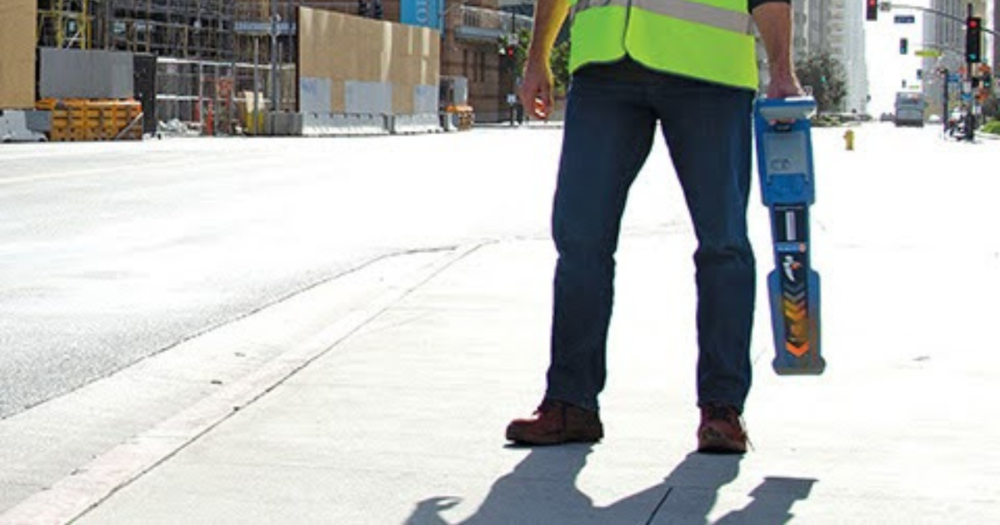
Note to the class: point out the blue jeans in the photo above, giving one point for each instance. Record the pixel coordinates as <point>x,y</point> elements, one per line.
<point>608,135</point>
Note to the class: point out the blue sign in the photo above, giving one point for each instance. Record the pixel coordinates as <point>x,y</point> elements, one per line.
<point>905,19</point>
<point>953,77</point>
<point>423,13</point>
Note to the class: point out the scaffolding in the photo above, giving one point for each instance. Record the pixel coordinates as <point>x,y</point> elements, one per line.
<point>189,29</point>
<point>65,24</point>
<point>210,53</point>
<point>201,29</point>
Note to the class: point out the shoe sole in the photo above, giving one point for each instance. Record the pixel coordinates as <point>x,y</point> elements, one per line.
<point>555,439</point>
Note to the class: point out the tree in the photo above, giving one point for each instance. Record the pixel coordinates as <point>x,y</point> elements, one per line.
<point>827,79</point>
<point>560,66</point>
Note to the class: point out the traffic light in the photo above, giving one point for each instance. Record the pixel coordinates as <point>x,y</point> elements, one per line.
<point>903,46</point>
<point>362,8</point>
<point>871,9</point>
<point>378,14</point>
<point>973,40</point>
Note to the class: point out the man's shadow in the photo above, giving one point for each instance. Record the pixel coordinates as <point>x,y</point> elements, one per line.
<point>542,489</point>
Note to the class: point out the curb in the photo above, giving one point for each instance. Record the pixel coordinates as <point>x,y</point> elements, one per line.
<point>87,487</point>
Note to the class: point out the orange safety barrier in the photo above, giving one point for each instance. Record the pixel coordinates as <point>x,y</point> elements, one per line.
<point>89,120</point>
<point>466,116</point>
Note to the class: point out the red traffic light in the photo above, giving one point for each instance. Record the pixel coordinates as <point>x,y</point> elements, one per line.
<point>871,9</point>
<point>973,40</point>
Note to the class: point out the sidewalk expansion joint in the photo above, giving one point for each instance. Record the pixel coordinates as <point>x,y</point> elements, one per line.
<point>659,506</point>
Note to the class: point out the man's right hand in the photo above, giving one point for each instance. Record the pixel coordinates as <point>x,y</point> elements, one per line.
<point>784,85</point>
<point>536,88</point>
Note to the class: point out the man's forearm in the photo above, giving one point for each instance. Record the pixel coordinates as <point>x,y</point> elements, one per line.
<point>774,21</point>
<point>549,18</point>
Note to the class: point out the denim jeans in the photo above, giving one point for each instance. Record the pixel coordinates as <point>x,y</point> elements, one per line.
<point>608,134</point>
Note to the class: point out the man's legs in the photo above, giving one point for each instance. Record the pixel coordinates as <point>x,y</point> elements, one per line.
<point>609,132</point>
<point>708,130</point>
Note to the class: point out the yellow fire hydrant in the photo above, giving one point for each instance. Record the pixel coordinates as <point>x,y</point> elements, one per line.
<point>849,139</point>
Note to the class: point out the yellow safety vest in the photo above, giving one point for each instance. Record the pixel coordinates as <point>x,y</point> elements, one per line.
<point>705,39</point>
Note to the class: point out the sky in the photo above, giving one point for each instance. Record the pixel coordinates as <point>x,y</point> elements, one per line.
<point>887,68</point>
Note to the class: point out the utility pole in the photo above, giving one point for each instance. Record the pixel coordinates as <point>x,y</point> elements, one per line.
<point>970,118</point>
<point>513,66</point>
<point>274,62</point>
<point>944,100</point>
<point>255,126</point>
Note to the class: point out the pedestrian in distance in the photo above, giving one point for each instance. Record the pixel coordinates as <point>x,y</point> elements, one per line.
<point>691,67</point>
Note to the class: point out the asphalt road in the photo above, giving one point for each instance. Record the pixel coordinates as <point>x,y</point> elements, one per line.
<point>110,253</point>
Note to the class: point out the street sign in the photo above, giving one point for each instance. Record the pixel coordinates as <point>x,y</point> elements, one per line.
<point>904,19</point>
<point>928,53</point>
<point>264,28</point>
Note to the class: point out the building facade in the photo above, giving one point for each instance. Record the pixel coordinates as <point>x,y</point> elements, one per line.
<point>995,17</point>
<point>472,47</point>
<point>204,44</point>
<point>836,27</point>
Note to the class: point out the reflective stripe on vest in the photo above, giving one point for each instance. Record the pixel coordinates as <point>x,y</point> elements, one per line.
<point>710,39</point>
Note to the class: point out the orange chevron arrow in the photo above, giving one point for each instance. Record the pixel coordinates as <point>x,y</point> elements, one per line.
<point>796,312</point>
<point>795,304</point>
<point>796,317</point>
<point>797,350</point>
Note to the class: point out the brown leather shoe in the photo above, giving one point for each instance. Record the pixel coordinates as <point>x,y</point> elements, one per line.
<point>721,431</point>
<point>557,422</point>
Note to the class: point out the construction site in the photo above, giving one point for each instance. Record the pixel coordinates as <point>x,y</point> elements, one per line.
<point>239,67</point>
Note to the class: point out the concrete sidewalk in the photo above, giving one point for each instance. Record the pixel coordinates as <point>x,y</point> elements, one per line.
<point>402,420</point>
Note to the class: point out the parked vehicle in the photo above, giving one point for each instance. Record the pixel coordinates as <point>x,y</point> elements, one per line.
<point>910,106</point>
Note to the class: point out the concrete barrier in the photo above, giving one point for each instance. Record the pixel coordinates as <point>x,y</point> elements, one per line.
<point>332,125</point>
<point>410,124</point>
<point>24,126</point>
<point>281,124</point>
<point>360,124</point>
